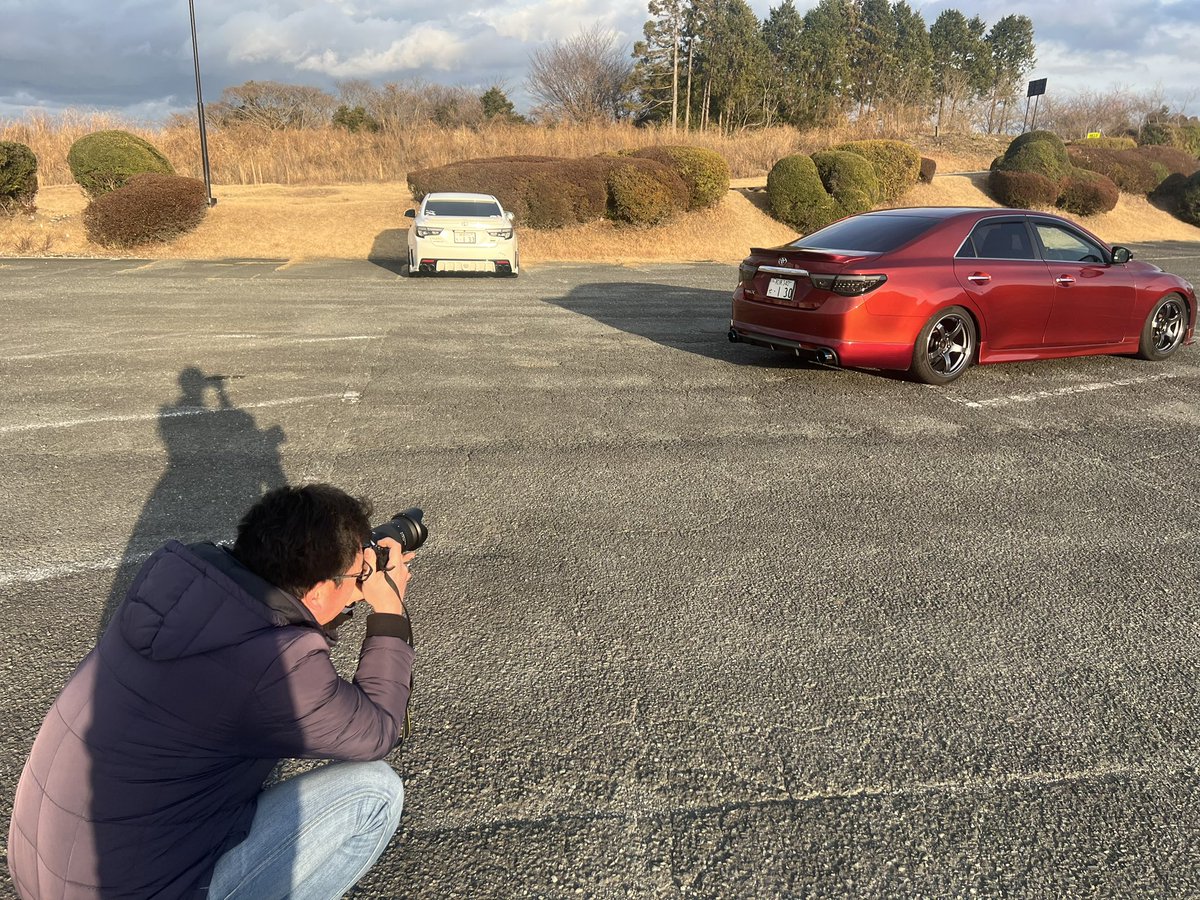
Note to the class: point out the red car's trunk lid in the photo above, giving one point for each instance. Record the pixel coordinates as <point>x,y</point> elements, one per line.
<point>781,275</point>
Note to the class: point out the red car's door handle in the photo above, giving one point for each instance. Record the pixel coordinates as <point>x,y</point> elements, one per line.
<point>1064,280</point>
<point>979,278</point>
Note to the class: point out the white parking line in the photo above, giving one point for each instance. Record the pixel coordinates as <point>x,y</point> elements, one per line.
<point>345,397</point>
<point>1034,396</point>
<point>264,341</point>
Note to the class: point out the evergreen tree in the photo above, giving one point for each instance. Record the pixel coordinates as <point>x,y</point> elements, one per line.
<point>789,71</point>
<point>826,43</point>
<point>961,61</point>
<point>656,72</point>
<point>1010,43</point>
<point>873,52</point>
<point>908,84</point>
<point>735,57</point>
<point>496,104</point>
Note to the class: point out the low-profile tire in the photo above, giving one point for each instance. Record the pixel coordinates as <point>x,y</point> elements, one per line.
<point>946,346</point>
<point>1164,328</point>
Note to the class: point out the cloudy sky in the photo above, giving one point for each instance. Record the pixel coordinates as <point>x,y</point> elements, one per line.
<point>134,57</point>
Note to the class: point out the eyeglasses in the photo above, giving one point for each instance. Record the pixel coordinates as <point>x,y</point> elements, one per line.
<point>362,576</point>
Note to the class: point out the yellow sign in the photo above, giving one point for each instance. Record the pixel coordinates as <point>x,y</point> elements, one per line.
<point>1093,134</point>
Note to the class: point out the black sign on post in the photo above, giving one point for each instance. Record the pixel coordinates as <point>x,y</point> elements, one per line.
<point>1036,89</point>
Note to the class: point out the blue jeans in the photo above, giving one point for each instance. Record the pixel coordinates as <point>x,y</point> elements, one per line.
<point>313,836</point>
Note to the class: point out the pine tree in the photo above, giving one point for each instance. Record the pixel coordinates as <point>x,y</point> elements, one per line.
<point>825,44</point>
<point>961,61</point>
<point>657,70</point>
<point>1012,54</point>
<point>908,84</point>
<point>873,52</point>
<point>787,74</point>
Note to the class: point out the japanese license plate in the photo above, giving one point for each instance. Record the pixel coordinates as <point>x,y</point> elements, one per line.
<point>464,237</point>
<point>781,288</point>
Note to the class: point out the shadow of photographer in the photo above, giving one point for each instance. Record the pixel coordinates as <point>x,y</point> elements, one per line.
<point>219,463</point>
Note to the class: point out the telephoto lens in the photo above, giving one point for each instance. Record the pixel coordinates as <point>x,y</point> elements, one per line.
<point>405,528</point>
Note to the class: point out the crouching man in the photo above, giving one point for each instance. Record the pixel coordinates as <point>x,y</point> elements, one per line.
<point>146,778</point>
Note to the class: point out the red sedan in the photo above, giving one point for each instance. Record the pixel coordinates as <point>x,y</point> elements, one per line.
<point>932,290</point>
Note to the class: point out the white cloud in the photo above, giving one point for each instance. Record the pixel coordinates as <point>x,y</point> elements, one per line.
<point>423,47</point>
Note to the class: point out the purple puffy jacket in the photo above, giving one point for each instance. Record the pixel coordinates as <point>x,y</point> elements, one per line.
<point>148,765</point>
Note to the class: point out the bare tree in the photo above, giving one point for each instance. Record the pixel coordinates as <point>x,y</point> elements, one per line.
<point>270,104</point>
<point>584,78</point>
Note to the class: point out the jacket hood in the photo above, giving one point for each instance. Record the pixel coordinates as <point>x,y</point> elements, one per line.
<point>194,599</point>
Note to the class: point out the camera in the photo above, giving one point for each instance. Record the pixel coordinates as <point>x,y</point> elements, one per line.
<point>405,528</point>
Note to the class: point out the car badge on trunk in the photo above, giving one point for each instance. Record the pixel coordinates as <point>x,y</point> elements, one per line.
<point>783,260</point>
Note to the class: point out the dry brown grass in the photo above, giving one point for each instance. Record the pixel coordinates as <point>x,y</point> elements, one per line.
<point>328,155</point>
<point>363,221</point>
<point>330,193</point>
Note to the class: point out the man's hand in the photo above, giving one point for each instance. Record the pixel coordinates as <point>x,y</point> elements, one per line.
<point>378,592</point>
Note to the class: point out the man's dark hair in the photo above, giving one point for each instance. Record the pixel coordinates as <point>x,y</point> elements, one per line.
<point>297,537</point>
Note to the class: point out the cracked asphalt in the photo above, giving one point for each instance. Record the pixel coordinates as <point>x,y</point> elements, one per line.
<point>694,619</point>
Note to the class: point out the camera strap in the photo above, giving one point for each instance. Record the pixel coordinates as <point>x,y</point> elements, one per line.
<point>406,730</point>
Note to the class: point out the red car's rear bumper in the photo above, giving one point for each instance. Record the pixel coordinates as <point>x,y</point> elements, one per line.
<point>842,326</point>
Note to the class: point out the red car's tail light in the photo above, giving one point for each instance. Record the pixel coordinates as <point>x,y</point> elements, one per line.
<point>848,285</point>
<point>746,273</point>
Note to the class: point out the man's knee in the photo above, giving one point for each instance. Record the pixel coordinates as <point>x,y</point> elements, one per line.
<point>381,787</point>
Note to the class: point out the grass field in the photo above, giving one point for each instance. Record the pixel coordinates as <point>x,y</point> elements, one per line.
<point>330,193</point>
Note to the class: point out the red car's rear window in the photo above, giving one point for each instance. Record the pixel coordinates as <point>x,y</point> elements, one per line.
<point>867,234</point>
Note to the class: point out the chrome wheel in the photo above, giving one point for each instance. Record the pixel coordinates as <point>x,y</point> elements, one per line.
<point>1168,326</point>
<point>950,345</point>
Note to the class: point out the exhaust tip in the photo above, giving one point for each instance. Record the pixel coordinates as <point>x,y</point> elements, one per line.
<point>827,356</point>
<point>733,336</point>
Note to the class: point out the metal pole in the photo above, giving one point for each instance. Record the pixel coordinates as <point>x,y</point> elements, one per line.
<point>1033,124</point>
<point>200,109</point>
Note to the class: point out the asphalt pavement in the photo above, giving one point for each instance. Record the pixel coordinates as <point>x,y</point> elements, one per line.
<point>694,619</point>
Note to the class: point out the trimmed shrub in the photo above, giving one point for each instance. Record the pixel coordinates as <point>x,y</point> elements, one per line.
<point>1040,152</point>
<point>1175,161</point>
<point>850,180</point>
<point>1127,170</point>
<point>1188,198</point>
<point>928,169</point>
<point>1022,190</point>
<point>1106,143</point>
<point>1030,137</point>
<point>644,192</point>
<point>704,171</point>
<point>105,160</point>
<point>1086,193</point>
<point>1037,151</point>
<point>540,191</point>
<point>149,208</point>
<point>796,194</point>
<point>897,165</point>
<point>18,178</point>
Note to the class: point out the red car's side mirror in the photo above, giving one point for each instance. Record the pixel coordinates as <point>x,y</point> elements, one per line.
<point>1121,255</point>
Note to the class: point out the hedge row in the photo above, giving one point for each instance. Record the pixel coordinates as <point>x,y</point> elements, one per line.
<point>18,179</point>
<point>809,192</point>
<point>1037,170</point>
<point>646,187</point>
<point>1138,170</point>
